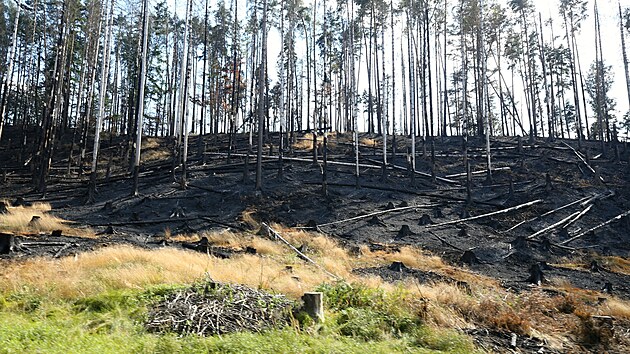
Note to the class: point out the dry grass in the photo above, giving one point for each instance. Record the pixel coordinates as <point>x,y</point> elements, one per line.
<point>18,219</point>
<point>369,142</point>
<point>306,141</point>
<point>154,149</point>
<point>616,264</point>
<point>483,303</point>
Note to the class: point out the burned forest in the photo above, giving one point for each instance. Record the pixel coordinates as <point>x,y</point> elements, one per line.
<point>314,176</point>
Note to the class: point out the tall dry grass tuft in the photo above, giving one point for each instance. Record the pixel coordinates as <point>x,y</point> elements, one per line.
<point>18,219</point>
<point>306,141</point>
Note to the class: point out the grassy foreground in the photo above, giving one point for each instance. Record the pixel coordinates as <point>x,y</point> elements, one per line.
<point>97,302</point>
<point>359,319</point>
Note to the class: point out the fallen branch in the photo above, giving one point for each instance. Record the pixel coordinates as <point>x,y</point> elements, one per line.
<point>379,213</point>
<point>65,247</point>
<point>577,217</point>
<point>618,217</point>
<point>503,211</point>
<point>422,174</point>
<point>584,161</point>
<point>444,241</point>
<point>583,201</point>
<point>483,172</point>
<point>142,222</point>
<point>277,235</point>
<point>553,226</point>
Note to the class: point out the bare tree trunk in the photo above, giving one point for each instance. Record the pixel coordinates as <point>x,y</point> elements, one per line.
<point>141,84</point>
<point>261,98</point>
<point>8,77</point>
<point>623,51</point>
<point>101,103</point>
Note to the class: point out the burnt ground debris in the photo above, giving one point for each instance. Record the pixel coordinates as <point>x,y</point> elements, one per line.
<point>217,197</point>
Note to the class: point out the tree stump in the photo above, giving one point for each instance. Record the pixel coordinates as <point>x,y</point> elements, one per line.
<point>536,275</point>
<point>35,221</point>
<point>425,220</point>
<point>311,225</point>
<point>437,213</point>
<point>548,186</point>
<point>469,257</point>
<point>595,267</point>
<point>376,221</point>
<point>608,288</point>
<point>4,207</point>
<point>404,231</point>
<point>545,244</point>
<point>397,266</point>
<point>519,243</point>
<point>7,243</point>
<point>314,305</point>
<point>19,202</point>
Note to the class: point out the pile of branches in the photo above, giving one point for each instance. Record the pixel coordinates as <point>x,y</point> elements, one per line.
<point>213,308</point>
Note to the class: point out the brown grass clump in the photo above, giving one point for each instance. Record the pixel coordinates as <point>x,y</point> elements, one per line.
<point>18,219</point>
<point>615,264</point>
<point>370,142</point>
<point>154,149</point>
<point>500,316</point>
<point>306,141</point>
<point>619,309</point>
<point>247,217</point>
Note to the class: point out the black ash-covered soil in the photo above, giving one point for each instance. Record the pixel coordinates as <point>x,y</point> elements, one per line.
<point>217,197</point>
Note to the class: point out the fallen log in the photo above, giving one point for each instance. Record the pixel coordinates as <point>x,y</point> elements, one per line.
<point>483,172</point>
<point>577,217</point>
<point>584,161</point>
<point>502,211</point>
<point>302,255</point>
<point>444,241</point>
<point>65,247</point>
<point>547,213</point>
<point>143,222</point>
<point>379,213</point>
<point>609,221</point>
<point>422,174</point>
<point>553,226</point>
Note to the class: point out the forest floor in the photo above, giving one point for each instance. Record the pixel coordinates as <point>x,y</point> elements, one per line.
<point>527,250</point>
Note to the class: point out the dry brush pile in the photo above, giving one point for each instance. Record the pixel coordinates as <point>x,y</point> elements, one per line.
<point>210,308</point>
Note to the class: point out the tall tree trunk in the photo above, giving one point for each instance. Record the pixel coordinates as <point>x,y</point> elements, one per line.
<point>8,77</point>
<point>623,52</point>
<point>261,97</point>
<point>141,84</point>
<point>101,103</point>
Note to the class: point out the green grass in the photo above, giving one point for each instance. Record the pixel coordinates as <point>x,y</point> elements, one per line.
<point>359,320</point>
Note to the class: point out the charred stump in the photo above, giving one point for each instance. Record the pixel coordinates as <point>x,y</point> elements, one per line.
<point>314,305</point>
<point>35,221</point>
<point>404,231</point>
<point>608,288</point>
<point>376,221</point>
<point>425,219</point>
<point>536,275</point>
<point>469,257</point>
<point>4,207</point>
<point>397,266</point>
<point>7,243</point>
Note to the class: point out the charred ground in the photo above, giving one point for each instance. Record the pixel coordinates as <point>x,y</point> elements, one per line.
<point>408,210</point>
